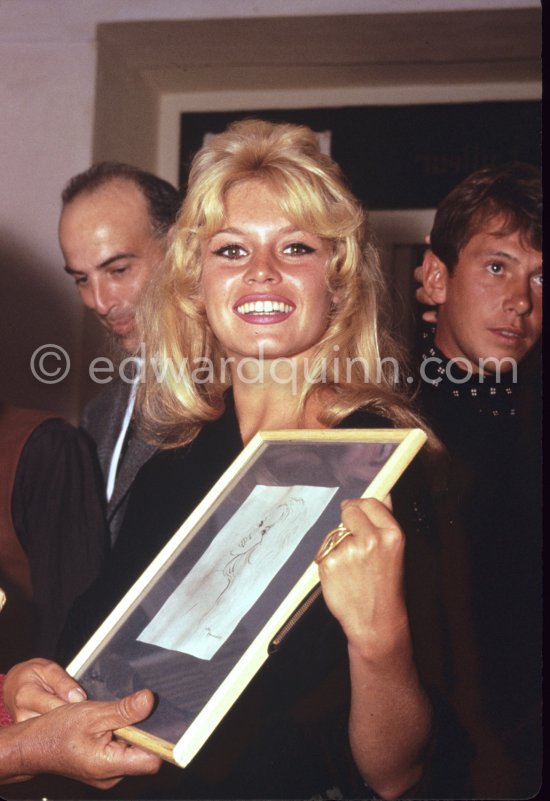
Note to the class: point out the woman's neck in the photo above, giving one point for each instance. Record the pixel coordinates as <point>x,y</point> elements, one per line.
<point>271,406</point>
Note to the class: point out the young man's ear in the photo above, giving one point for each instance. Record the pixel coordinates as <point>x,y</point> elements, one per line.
<point>435,277</point>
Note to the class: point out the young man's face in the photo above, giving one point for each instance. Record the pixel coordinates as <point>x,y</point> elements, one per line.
<point>491,304</point>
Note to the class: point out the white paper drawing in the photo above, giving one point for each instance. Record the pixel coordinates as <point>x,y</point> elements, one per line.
<point>250,549</point>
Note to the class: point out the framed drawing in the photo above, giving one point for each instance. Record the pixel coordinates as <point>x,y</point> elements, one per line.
<point>202,619</point>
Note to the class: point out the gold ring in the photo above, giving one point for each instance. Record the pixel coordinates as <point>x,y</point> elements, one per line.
<point>332,540</point>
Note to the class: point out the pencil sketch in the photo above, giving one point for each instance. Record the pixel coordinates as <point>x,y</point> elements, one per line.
<point>249,550</point>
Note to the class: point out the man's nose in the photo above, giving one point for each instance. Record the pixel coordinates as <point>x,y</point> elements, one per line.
<point>100,298</point>
<point>519,295</point>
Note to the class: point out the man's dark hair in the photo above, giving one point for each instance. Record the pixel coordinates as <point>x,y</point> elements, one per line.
<point>163,200</point>
<point>510,191</point>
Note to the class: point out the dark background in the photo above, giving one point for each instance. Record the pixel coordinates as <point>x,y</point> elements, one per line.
<point>400,157</point>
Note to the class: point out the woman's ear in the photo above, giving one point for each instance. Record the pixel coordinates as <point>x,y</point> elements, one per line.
<point>435,277</point>
<point>334,301</point>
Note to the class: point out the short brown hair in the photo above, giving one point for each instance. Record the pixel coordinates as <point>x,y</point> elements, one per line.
<point>512,191</point>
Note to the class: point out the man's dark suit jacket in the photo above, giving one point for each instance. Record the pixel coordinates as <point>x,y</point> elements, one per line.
<point>102,420</point>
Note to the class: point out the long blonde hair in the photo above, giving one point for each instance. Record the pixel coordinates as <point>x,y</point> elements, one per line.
<point>357,357</point>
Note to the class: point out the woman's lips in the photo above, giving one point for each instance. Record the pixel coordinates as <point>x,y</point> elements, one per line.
<point>263,310</point>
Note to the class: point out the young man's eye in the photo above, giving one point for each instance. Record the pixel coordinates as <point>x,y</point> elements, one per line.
<point>537,280</point>
<point>80,280</point>
<point>495,268</point>
<point>298,249</point>
<point>230,252</point>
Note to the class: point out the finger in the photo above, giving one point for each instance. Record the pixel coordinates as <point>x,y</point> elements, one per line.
<point>354,518</point>
<point>378,512</point>
<point>104,784</point>
<point>357,521</point>
<point>60,683</point>
<point>33,700</point>
<point>38,686</point>
<point>368,512</point>
<point>126,711</point>
<point>133,761</point>
<point>430,316</point>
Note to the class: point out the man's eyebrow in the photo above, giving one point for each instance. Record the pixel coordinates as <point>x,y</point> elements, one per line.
<point>495,253</point>
<point>104,264</point>
<point>503,254</point>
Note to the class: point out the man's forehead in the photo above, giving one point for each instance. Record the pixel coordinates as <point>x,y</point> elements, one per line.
<point>117,197</point>
<point>494,237</point>
<point>121,207</point>
<point>499,225</point>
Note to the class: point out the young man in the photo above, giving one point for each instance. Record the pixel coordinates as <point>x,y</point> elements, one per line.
<point>484,269</point>
<point>113,232</point>
<point>480,390</point>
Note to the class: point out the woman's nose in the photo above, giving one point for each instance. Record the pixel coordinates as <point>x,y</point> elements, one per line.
<point>263,268</point>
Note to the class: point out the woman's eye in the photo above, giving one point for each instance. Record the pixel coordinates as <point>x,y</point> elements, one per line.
<point>495,268</point>
<point>537,279</point>
<point>297,249</point>
<point>230,252</point>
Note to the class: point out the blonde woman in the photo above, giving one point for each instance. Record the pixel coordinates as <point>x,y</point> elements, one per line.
<point>266,315</point>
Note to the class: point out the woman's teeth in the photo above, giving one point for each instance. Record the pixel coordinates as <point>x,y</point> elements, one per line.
<point>264,307</point>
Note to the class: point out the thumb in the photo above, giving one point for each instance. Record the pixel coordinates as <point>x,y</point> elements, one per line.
<point>135,707</point>
<point>130,709</point>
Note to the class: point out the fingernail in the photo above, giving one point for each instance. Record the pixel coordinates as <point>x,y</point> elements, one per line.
<point>142,699</point>
<point>75,695</point>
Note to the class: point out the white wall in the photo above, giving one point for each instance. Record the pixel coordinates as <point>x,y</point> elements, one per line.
<point>47,102</point>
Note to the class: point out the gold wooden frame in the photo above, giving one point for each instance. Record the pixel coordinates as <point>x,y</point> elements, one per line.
<point>181,750</point>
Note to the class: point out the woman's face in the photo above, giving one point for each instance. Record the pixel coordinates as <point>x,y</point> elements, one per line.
<point>263,281</point>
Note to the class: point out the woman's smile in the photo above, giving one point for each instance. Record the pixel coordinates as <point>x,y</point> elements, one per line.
<point>266,309</point>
